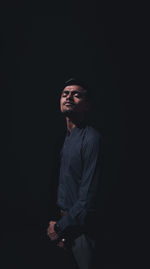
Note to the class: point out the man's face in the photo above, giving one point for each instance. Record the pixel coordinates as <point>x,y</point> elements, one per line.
<point>73,100</point>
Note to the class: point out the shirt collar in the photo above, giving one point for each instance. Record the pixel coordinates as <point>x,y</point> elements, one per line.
<point>77,127</point>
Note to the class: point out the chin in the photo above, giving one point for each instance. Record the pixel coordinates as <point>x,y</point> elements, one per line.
<point>67,112</point>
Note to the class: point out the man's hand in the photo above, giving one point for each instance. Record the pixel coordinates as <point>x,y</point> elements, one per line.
<point>54,236</point>
<point>61,244</point>
<point>51,232</point>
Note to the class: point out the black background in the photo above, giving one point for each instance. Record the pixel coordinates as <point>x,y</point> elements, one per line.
<point>40,50</point>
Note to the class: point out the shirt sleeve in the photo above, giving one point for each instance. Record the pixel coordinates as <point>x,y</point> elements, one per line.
<point>91,158</point>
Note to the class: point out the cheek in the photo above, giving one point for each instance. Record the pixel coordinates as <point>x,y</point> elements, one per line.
<point>61,104</point>
<point>81,106</point>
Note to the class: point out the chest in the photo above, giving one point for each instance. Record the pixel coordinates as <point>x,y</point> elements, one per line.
<point>71,154</point>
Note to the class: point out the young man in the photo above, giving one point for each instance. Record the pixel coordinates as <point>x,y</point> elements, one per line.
<point>79,177</point>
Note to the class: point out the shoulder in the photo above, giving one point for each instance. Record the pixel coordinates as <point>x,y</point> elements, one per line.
<point>92,135</point>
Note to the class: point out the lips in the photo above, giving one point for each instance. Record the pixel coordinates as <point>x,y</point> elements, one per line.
<point>68,104</point>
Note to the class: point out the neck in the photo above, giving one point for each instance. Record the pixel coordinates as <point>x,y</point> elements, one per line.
<point>71,123</point>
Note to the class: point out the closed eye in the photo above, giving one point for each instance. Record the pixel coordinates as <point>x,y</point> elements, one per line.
<point>78,95</point>
<point>73,93</point>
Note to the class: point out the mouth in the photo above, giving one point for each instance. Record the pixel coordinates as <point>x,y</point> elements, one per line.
<point>68,104</point>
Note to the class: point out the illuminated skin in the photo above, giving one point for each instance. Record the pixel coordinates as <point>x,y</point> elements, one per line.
<point>73,105</point>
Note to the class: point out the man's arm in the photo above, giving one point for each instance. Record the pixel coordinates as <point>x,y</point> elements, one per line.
<point>91,154</point>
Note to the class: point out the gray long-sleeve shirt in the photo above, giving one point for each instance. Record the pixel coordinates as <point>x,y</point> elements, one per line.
<point>79,175</point>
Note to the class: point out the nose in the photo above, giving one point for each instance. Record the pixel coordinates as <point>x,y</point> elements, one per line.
<point>69,96</point>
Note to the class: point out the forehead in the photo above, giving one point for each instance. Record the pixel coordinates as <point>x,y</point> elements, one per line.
<point>73,88</point>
